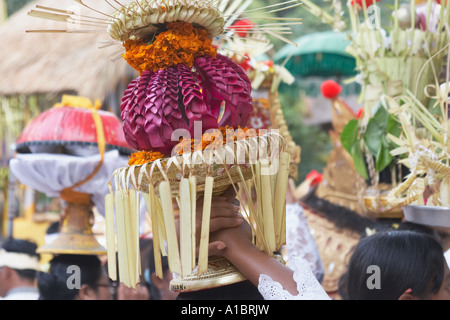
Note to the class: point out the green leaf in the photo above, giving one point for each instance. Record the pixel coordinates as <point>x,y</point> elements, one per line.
<point>383,158</point>
<point>349,135</point>
<point>376,128</point>
<point>372,137</point>
<point>394,127</point>
<point>381,115</point>
<point>358,160</point>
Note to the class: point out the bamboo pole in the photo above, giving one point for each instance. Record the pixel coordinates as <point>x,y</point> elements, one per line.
<point>173,252</point>
<point>185,227</point>
<point>267,209</point>
<point>280,198</point>
<point>204,237</point>
<point>129,204</point>
<point>110,236</point>
<point>150,201</point>
<point>3,11</point>
<point>193,192</point>
<point>121,238</point>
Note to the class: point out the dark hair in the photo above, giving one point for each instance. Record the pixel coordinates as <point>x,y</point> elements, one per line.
<point>341,217</point>
<point>53,285</point>
<point>418,228</point>
<point>26,247</point>
<point>53,228</point>
<point>243,290</point>
<point>406,260</point>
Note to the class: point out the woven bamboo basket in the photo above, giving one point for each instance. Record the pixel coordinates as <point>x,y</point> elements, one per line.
<point>185,178</point>
<point>204,164</point>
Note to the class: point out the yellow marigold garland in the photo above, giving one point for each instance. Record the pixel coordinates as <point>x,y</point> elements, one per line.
<point>142,157</point>
<point>209,139</point>
<point>181,43</point>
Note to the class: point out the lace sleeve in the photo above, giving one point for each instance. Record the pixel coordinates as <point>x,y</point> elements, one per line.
<point>299,241</point>
<point>307,285</point>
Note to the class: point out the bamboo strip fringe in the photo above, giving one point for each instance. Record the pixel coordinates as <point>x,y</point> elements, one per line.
<point>265,213</point>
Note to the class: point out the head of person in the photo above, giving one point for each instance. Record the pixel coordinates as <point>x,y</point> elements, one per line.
<point>19,264</point>
<point>74,277</point>
<point>52,232</point>
<point>398,265</point>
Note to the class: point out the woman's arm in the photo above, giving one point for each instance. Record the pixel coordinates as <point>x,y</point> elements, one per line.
<point>249,260</point>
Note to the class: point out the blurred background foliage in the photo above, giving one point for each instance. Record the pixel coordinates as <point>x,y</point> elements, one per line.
<point>313,139</point>
<point>15,5</point>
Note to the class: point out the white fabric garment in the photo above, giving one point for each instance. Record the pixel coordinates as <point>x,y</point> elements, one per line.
<point>304,260</point>
<point>299,240</point>
<point>447,257</point>
<point>18,261</point>
<point>307,285</point>
<point>22,293</point>
<point>51,173</point>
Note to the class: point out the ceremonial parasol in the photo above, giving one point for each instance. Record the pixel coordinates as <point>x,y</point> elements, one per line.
<point>75,148</point>
<point>76,135</point>
<point>319,54</point>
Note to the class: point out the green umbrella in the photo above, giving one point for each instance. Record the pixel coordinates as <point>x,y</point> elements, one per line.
<point>319,54</point>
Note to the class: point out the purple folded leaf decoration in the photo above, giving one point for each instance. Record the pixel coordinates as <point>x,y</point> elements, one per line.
<point>158,103</point>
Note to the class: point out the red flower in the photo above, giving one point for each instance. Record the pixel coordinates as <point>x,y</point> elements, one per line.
<point>315,178</point>
<point>268,63</point>
<point>242,26</point>
<point>360,2</point>
<point>360,113</point>
<point>439,2</point>
<point>245,64</point>
<point>330,89</point>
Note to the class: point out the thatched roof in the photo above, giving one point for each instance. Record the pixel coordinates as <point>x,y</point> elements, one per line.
<point>48,63</point>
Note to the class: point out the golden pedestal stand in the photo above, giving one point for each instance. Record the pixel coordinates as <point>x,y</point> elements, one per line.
<point>220,273</point>
<point>76,236</point>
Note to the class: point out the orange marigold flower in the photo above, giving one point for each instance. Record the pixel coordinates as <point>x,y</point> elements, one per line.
<point>142,157</point>
<point>181,43</point>
<point>229,134</point>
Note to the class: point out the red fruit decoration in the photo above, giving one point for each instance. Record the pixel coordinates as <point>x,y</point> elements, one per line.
<point>360,113</point>
<point>314,177</point>
<point>241,27</point>
<point>330,89</point>
<point>360,3</point>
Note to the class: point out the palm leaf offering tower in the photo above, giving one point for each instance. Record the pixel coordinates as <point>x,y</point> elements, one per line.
<point>186,116</point>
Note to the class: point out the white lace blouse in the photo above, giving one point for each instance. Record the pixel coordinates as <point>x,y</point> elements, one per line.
<point>300,242</point>
<point>307,285</point>
<point>304,260</point>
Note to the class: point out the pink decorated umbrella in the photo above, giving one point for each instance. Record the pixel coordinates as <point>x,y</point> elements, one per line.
<point>69,129</point>
<point>70,151</point>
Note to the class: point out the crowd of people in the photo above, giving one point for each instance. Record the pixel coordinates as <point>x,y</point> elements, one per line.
<point>410,263</point>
